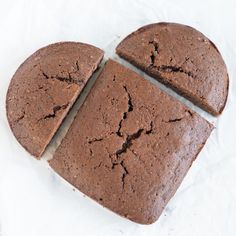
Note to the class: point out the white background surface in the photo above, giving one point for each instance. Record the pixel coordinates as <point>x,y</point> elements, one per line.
<point>34,201</point>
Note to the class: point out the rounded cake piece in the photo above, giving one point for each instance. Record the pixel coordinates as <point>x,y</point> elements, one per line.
<point>44,88</point>
<point>182,58</point>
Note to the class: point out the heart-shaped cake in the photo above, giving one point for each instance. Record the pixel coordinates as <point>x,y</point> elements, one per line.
<point>130,144</point>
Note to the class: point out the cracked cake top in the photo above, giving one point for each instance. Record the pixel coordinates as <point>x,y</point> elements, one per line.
<point>130,144</point>
<point>44,88</point>
<point>182,58</point>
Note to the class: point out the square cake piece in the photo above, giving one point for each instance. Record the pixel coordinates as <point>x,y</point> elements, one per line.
<point>130,145</point>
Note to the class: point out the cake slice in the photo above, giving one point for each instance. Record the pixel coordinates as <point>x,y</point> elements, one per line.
<point>130,145</point>
<point>182,58</point>
<point>44,88</point>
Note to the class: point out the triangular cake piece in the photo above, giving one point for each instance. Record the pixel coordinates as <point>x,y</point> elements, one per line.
<point>130,145</point>
<point>44,88</point>
<point>182,58</point>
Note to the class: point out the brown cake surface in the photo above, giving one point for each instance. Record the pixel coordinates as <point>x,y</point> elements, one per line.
<point>44,88</point>
<point>182,58</point>
<point>130,145</point>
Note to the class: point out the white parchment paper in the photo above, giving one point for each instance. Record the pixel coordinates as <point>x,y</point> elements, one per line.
<point>34,201</point>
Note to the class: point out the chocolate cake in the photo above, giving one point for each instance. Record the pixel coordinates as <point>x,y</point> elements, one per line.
<point>130,145</point>
<point>44,88</point>
<point>182,58</point>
